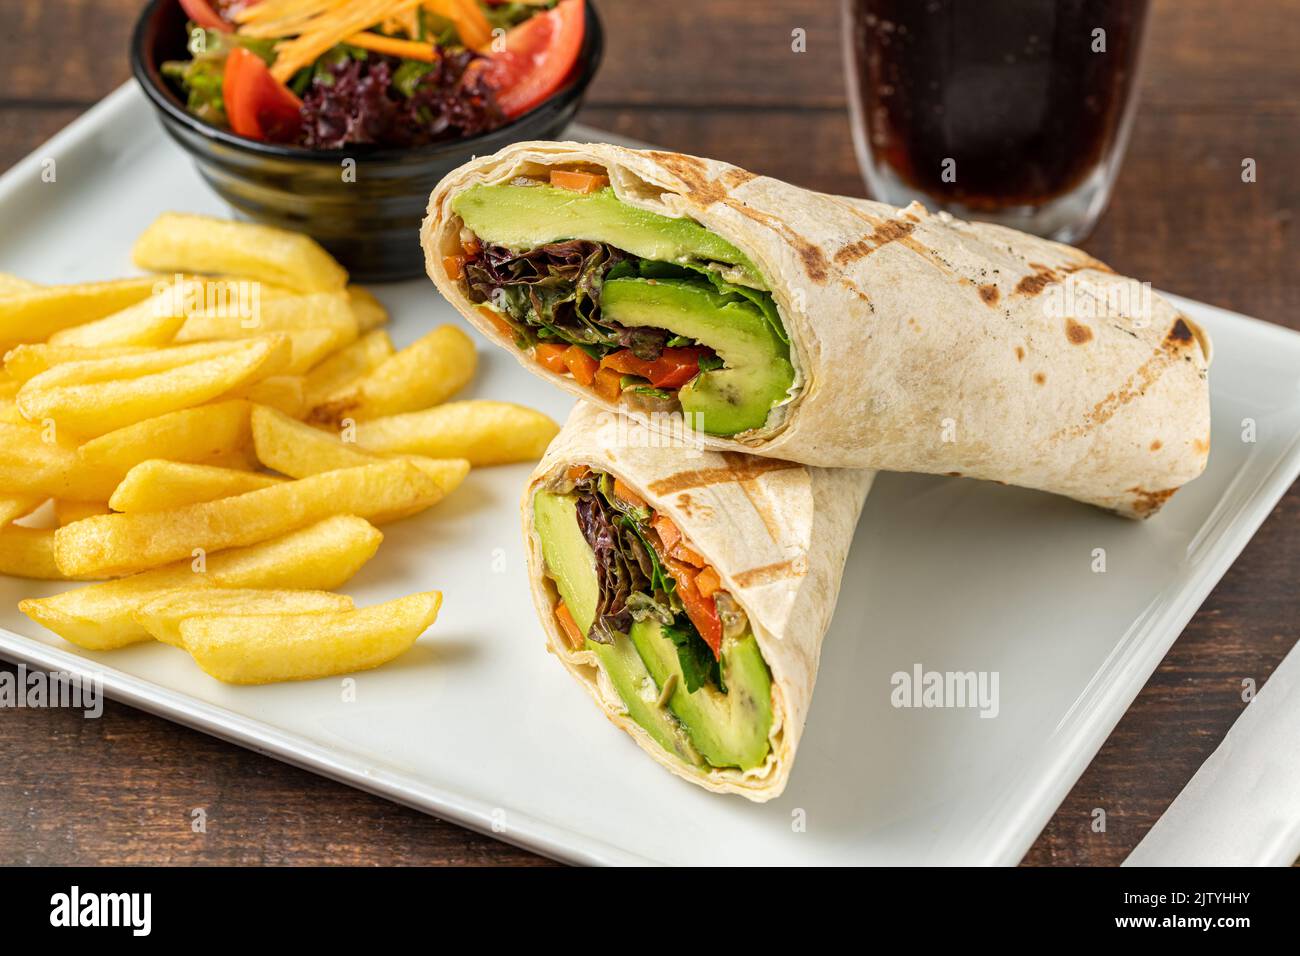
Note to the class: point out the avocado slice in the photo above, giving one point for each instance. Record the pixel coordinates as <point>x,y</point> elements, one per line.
<point>524,217</point>
<point>757,372</point>
<point>731,729</point>
<point>572,566</point>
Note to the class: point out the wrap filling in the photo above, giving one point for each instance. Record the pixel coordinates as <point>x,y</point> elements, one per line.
<point>672,641</point>
<point>646,310</point>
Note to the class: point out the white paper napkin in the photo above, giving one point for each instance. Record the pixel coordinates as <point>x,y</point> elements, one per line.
<point>1242,808</point>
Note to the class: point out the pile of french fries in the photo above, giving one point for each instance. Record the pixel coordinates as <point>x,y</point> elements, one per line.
<point>220,439</point>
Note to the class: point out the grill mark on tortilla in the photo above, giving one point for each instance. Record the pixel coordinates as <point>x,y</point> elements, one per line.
<point>908,242</point>
<point>891,230</point>
<point>1157,444</point>
<point>1146,503</point>
<point>692,508</point>
<point>753,490</point>
<point>989,293</point>
<point>771,573</point>
<point>1040,378</point>
<point>1037,281</point>
<point>1077,332</point>
<point>705,192</point>
<point>810,254</point>
<point>1020,353</point>
<point>736,177</point>
<point>1135,386</point>
<point>1180,333</point>
<point>749,468</point>
<point>1087,262</point>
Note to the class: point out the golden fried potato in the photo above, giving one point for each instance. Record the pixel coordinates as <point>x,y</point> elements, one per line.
<point>35,314</point>
<point>426,373</point>
<point>313,346</point>
<point>289,313</point>
<point>66,512</point>
<point>369,311</point>
<point>347,365</point>
<point>284,393</point>
<point>298,450</point>
<point>321,556</point>
<point>13,507</point>
<point>261,649</point>
<point>178,242</point>
<point>24,362</point>
<point>39,461</point>
<point>123,543</point>
<point>75,365</point>
<point>29,553</point>
<point>209,434</point>
<point>484,432</point>
<point>89,399</point>
<point>162,616</point>
<point>158,485</point>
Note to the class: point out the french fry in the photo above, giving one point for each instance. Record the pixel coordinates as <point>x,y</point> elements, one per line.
<point>11,284</point>
<point>25,362</point>
<point>162,616</point>
<point>289,313</point>
<point>124,543</point>
<point>484,432</point>
<point>150,322</point>
<point>92,403</point>
<point>73,365</point>
<point>423,374</point>
<point>285,393</point>
<point>177,242</point>
<point>38,461</point>
<point>345,366</point>
<point>66,512</point>
<point>368,311</point>
<point>209,434</point>
<point>313,346</point>
<point>29,553</point>
<point>35,314</point>
<point>261,649</point>
<point>158,485</point>
<point>322,556</point>
<point>298,450</point>
<point>13,507</point>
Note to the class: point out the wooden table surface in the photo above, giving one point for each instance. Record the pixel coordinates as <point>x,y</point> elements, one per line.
<point>720,79</point>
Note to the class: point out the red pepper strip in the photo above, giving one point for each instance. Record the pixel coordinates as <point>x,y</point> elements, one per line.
<point>673,369</point>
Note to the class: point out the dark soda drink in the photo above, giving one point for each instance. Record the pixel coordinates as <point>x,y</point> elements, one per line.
<point>1011,110</point>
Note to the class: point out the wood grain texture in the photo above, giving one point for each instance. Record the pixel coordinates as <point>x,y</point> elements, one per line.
<point>720,79</point>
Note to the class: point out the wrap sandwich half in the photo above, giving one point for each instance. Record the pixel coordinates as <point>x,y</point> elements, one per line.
<point>831,331</point>
<point>689,591</point>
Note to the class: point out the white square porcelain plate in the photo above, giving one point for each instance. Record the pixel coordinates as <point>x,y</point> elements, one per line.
<point>478,725</point>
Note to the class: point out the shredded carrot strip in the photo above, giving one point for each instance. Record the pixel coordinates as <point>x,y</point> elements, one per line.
<point>406,49</point>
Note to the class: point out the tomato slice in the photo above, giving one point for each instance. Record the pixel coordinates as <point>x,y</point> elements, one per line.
<point>673,369</point>
<point>703,611</point>
<point>202,13</point>
<point>538,55</point>
<point>257,104</point>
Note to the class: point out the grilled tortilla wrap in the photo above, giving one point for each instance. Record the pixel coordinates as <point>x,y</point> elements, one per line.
<point>916,342</point>
<point>776,534</point>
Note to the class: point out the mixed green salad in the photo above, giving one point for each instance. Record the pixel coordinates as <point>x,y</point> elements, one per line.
<point>326,74</point>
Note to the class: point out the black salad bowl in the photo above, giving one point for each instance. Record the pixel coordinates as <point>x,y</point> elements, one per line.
<point>364,204</point>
